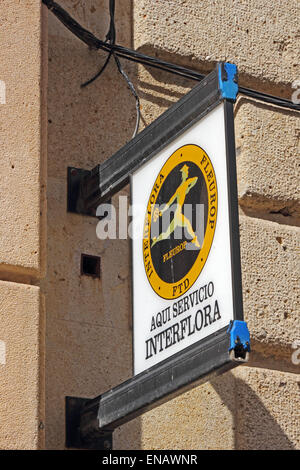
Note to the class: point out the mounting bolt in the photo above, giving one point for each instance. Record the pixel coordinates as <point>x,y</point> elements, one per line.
<point>237,341</point>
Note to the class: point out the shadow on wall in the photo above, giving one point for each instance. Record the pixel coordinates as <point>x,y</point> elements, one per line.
<point>161,88</point>
<point>205,66</point>
<point>255,428</point>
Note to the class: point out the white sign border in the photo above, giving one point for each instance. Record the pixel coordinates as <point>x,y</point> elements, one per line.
<point>231,222</point>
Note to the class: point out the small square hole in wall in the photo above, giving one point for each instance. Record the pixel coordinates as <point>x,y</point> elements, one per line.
<point>90,265</point>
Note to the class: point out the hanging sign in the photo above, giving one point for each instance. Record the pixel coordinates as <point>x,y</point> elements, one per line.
<point>187,294</point>
<point>182,248</point>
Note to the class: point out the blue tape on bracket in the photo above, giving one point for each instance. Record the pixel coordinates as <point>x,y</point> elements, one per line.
<point>228,85</point>
<point>239,335</point>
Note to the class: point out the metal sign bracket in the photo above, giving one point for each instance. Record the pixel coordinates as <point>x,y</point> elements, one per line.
<point>99,440</point>
<point>76,178</point>
<point>90,422</point>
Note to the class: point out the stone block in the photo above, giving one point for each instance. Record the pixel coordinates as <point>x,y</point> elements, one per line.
<point>21,367</point>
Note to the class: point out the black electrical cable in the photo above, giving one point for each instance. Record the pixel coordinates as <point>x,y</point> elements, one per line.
<point>91,80</point>
<point>133,91</point>
<point>111,37</point>
<point>259,95</point>
<point>129,54</point>
<point>93,42</point>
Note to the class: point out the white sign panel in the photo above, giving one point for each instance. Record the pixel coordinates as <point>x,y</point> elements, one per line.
<point>182,281</point>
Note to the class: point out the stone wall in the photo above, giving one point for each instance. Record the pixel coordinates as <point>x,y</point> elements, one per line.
<point>62,333</point>
<point>23,70</point>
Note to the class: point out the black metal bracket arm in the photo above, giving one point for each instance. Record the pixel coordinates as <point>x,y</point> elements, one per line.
<point>87,189</point>
<point>74,437</point>
<point>78,182</point>
<point>90,422</point>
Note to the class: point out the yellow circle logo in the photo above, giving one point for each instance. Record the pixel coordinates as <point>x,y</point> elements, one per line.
<point>180,221</point>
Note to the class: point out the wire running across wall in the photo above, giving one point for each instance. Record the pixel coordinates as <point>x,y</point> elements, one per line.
<point>116,51</point>
<point>111,40</point>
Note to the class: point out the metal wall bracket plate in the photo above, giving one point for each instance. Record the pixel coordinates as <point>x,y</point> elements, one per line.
<point>75,176</point>
<point>74,440</point>
<point>75,199</point>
